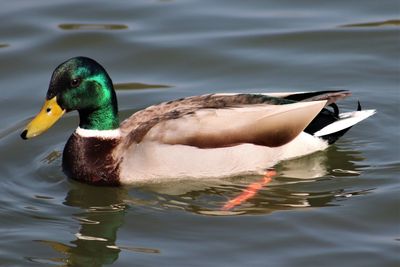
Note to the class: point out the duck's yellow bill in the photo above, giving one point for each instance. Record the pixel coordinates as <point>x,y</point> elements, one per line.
<point>48,115</point>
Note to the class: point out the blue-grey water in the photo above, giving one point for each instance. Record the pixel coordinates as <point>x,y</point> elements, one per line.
<point>339,207</point>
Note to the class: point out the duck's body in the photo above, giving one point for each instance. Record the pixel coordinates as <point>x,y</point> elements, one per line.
<point>208,136</point>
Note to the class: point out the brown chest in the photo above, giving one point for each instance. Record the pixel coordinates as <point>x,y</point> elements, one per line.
<point>90,160</point>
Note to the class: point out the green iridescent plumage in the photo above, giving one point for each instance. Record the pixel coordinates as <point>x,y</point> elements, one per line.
<point>82,84</point>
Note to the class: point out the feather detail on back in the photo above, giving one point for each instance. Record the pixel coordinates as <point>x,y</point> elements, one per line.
<point>329,96</point>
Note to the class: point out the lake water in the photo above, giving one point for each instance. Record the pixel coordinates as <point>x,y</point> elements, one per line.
<point>340,207</point>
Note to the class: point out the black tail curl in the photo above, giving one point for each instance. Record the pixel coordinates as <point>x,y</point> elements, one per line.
<point>326,117</point>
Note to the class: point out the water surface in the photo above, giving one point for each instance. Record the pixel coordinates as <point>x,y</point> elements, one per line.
<point>339,207</point>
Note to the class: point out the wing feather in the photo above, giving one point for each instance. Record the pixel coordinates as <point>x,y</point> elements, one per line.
<point>266,125</point>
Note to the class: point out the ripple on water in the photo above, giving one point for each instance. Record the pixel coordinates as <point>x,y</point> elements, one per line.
<point>392,22</point>
<point>92,26</point>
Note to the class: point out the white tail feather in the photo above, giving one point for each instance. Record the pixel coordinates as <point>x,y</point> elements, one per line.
<point>346,120</point>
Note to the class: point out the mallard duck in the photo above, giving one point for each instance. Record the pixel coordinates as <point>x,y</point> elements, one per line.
<point>207,136</point>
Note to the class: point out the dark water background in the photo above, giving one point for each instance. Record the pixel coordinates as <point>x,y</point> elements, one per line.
<point>339,207</point>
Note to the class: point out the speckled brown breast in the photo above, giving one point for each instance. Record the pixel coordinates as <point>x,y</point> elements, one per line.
<point>90,160</point>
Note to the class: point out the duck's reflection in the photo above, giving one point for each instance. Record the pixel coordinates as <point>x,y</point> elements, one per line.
<point>103,215</point>
<point>311,181</point>
<point>103,212</point>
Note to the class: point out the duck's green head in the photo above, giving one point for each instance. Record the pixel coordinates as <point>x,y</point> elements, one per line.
<point>80,84</point>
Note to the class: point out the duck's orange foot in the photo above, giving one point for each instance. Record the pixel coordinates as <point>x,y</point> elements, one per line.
<point>250,191</point>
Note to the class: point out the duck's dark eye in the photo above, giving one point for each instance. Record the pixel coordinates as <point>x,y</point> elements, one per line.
<point>75,82</point>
